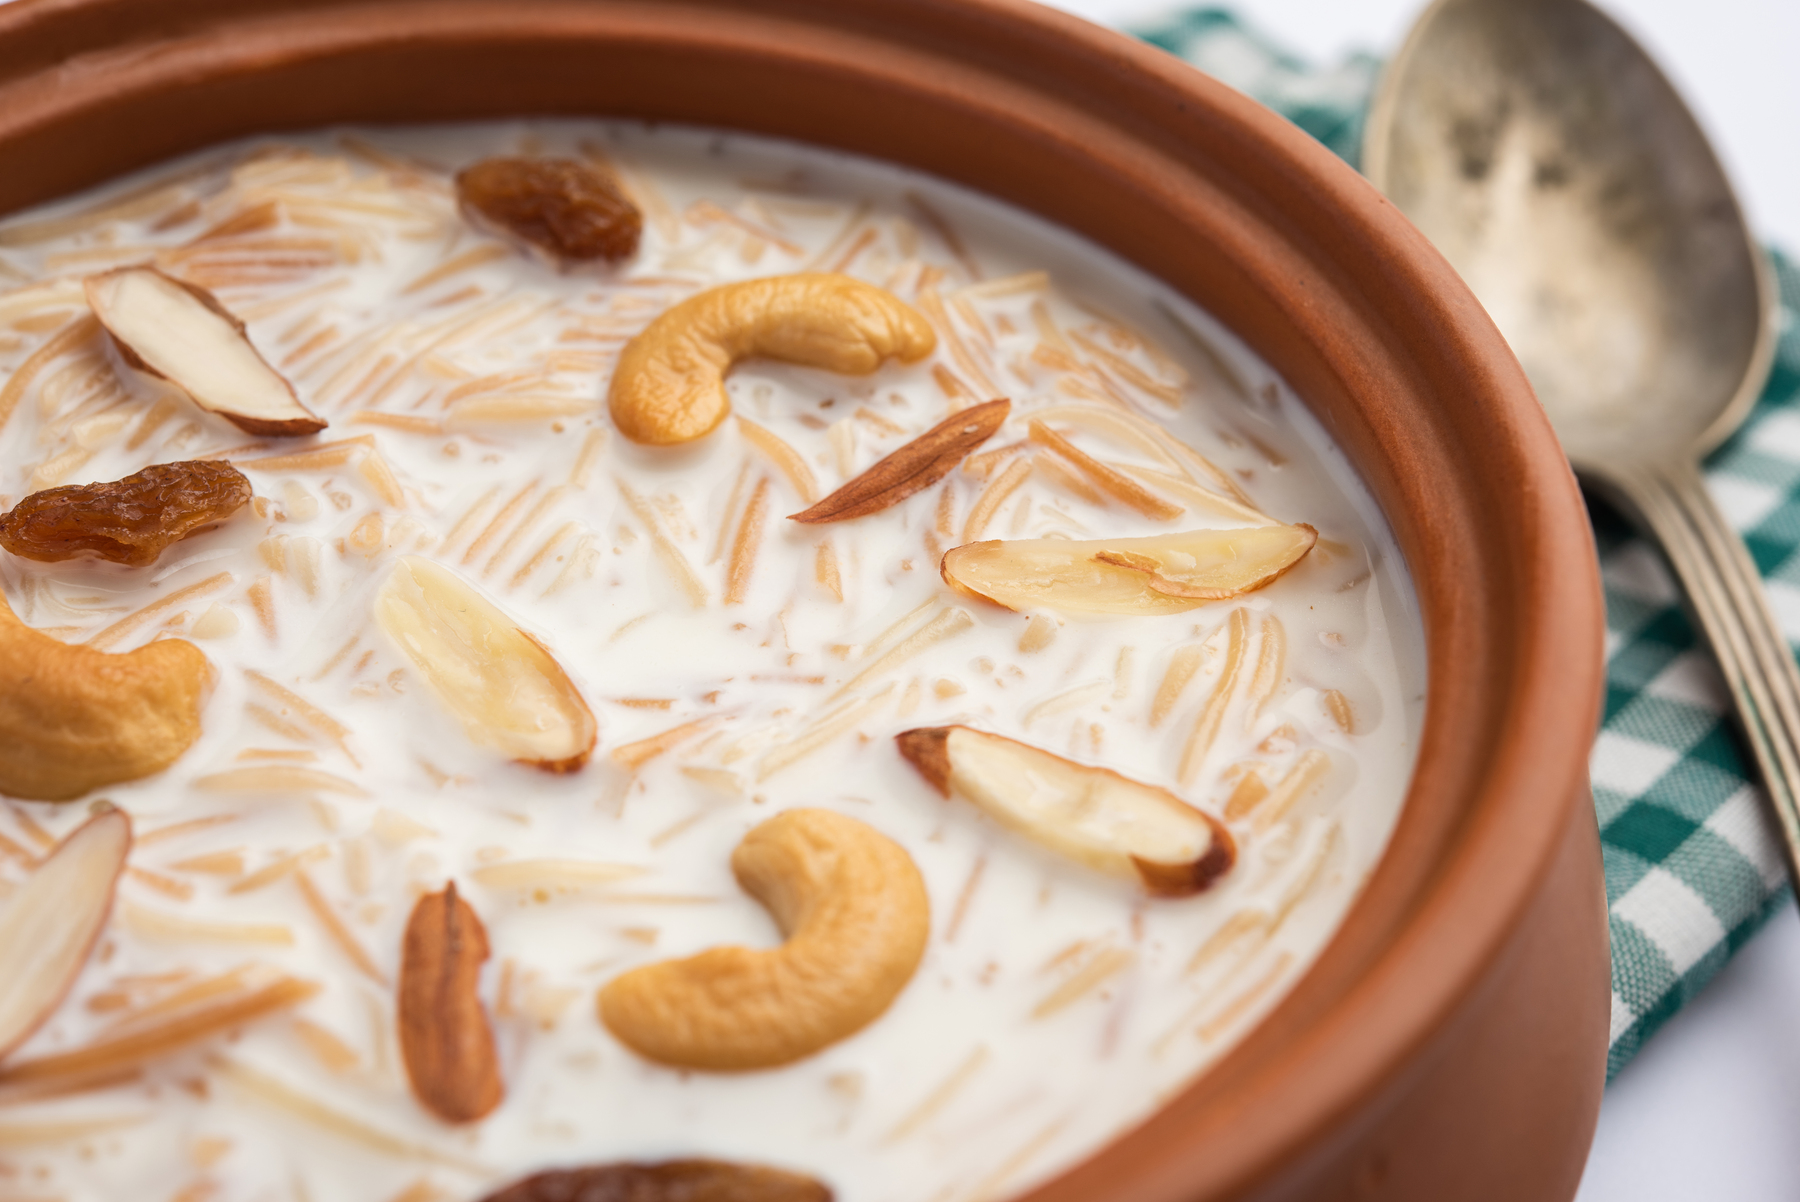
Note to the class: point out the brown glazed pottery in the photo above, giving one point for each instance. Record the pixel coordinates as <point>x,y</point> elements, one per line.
<point>1450,1043</point>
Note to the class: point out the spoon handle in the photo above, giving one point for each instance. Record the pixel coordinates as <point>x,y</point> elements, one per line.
<point>1726,592</point>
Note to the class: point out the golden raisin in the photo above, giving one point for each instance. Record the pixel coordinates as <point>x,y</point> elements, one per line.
<point>125,521</point>
<point>561,206</point>
<point>671,1181</point>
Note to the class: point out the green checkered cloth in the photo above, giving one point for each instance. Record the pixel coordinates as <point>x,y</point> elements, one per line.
<point>1692,861</point>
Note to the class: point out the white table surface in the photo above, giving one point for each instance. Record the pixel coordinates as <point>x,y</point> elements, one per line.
<point>1709,1111</point>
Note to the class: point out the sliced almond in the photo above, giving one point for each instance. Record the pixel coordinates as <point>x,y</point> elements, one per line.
<point>179,332</point>
<point>1091,815</point>
<point>502,683</point>
<point>49,925</point>
<point>445,1037</point>
<point>1162,574</point>
<point>1255,558</point>
<point>913,468</point>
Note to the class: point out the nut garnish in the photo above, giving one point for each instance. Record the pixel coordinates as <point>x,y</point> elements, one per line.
<point>503,684</point>
<point>1266,553</point>
<point>562,207</point>
<point>73,718</point>
<point>670,1181</point>
<point>913,468</point>
<point>1162,574</point>
<point>129,521</point>
<point>445,1037</point>
<point>1092,815</point>
<point>179,332</point>
<point>49,925</point>
<point>856,917</point>
<point>669,385</point>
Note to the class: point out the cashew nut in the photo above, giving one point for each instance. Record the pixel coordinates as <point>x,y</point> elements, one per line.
<point>853,909</point>
<point>73,718</point>
<point>669,386</point>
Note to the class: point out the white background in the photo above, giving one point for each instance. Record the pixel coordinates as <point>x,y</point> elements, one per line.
<point>1710,1109</point>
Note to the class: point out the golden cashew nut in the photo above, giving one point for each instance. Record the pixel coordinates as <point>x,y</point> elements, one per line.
<point>853,909</point>
<point>669,385</point>
<point>73,718</point>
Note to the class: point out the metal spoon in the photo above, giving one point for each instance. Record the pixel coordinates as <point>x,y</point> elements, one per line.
<point>1555,167</point>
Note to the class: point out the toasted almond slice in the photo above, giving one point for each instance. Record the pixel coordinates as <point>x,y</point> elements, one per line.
<point>1255,558</point>
<point>1162,574</point>
<point>503,684</point>
<point>49,925</point>
<point>1091,815</point>
<point>913,468</point>
<point>180,332</point>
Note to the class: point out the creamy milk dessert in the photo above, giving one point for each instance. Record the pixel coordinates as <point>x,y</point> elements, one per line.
<point>1000,968</point>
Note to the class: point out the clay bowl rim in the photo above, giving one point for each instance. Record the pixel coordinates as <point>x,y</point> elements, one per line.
<point>1193,182</point>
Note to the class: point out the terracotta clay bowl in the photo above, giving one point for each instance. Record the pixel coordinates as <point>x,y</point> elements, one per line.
<point>1450,1043</point>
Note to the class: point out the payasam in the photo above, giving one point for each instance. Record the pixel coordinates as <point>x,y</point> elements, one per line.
<point>742,660</point>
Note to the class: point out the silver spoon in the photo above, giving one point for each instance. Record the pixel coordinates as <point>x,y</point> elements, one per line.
<point>1555,167</point>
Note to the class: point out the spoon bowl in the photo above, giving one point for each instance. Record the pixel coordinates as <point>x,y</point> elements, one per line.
<point>1543,152</point>
<point>1559,172</point>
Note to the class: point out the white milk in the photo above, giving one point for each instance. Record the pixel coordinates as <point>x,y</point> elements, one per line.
<point>1055,1008</point>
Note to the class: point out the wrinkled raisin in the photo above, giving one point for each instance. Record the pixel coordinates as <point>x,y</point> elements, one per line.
<point>671,1181</point>
<point>560,206</point>
<point>127,521</point>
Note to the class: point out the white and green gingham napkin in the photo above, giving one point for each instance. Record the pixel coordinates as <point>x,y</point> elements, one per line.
<point>1692,860</point>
